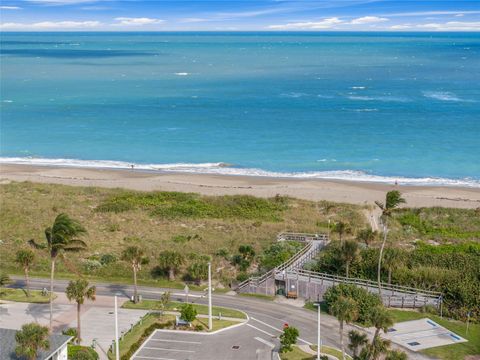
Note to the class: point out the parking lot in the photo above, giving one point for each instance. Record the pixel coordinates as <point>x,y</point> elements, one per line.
<point>240,343</point>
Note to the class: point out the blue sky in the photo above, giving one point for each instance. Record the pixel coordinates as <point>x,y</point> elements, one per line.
<point>267,15</point>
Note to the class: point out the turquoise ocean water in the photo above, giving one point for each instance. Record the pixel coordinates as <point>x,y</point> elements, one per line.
<point>359,106</point>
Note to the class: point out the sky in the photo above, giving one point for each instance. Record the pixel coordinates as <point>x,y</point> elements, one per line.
<point>239,15</point>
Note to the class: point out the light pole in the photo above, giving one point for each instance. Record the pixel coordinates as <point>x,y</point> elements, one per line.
<point>319,341</point>
<point>210,296</point>
<point>117,351</point>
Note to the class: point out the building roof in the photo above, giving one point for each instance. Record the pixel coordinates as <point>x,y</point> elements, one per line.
<point>8,344</point>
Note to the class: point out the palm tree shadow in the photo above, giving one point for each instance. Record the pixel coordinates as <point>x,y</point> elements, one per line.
<point>119,290</point>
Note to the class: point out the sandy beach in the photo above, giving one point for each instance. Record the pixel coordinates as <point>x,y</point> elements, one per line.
<point>310,189</point>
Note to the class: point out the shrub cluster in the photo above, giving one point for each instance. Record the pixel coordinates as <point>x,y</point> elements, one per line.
<point>78,352</point>
<point>187,205</point>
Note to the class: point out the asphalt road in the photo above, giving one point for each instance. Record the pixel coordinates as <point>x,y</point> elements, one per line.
<point>266,315</point>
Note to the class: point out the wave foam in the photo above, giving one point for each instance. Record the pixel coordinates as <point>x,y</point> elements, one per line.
<point>182,73</point>
<point>444,96</point>
<point>220,168</point>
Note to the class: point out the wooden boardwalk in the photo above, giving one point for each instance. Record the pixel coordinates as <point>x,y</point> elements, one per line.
<point>311,285</point>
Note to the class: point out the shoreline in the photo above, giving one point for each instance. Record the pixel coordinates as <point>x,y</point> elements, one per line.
<point>353,192</point>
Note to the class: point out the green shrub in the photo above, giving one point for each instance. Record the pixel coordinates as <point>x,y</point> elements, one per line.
<point>278,253</point>
<point>70,332</point>
<point>78,352</point>
<point>188,313</point>
<point>365,300</point>
<point>91,265</point>
<point>107,259</point>
<point>288,338</point>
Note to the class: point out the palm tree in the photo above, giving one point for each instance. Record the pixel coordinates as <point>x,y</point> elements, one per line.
<point>135,256</point>
<point>381,319</point>
<point>392,200</point>
<point>349,252</point>
<point>78,290</point>
<point>61,237</point>
<point>341,228</point>
<point>30,339</point>
<point>396,355</point>
<point>357,340</point>
<point>392,260</point>
<point>367,236</point>
<point>25,258</point>
<point>171,260</point>
<point>345,310</point>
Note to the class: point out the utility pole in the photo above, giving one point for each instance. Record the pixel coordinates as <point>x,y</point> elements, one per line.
<point>210,296</point>
<point>319,341</point>
<point>117,351</point>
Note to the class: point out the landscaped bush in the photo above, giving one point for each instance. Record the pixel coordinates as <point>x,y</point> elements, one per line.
<point>365,300</point>
<point>181,205</point>
<point>91,265</point>
<point>278,253</point>
<point>78,352</point>
<point>107,259</point>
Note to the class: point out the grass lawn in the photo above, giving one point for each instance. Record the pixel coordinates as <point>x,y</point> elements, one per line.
<point>448,352</point>
<point>21,296</point>
<point>175,305</point>
<point>298,354</point>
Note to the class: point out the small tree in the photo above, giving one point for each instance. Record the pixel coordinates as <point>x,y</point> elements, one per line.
<point>135,256</point>
<point>198,271</point>
<point>356,341</point>
<point>164,300</point>
<point>345,310</point>
<point>30,339</point>
<point>381,319</point>
<point>367,236</point>
<point>288,338</point>
<point>78,290</point>
<point>392,261</point>
<point>170,261</point>
<point>349,252</point>
<point>341,228</point>
<point>25,258</point>
<point>188,313</point>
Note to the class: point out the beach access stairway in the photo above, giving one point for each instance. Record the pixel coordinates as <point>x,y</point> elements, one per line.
<point>311,285</point>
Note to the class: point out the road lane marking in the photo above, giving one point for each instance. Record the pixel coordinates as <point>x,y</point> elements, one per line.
<point>177,341</point>
<point>164,349</point>
<point>151,357</point>
<point>268,343</point>
<point>277,329</point>
<point>262,331</point>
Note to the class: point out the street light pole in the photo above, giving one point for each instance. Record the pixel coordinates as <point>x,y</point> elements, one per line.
<point>319,342</point>
<point>117,351</point>
<point>210,296</point>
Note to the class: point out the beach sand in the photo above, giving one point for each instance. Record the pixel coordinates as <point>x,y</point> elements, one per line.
<point>310,189</point>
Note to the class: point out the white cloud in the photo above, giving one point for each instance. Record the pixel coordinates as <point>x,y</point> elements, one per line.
<point>49,25</point>
<point>309,25</point>
<point>193,20</point>
<point>452,26</point>
<point>10,7</point>
<point>401,27</point>
<point>368,20</point>
<point>137,21</point>
<point>439,12</point>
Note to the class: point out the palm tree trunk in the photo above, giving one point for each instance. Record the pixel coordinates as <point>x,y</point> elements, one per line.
<point>389,276</point>
<point>341,340</point>
<point>171,274</point>
<point>379,270</point>
<point>52,271</point>
<point>27,285</point>
<point>348,265</point>
<point>79,337</point>
<point>135,297</point>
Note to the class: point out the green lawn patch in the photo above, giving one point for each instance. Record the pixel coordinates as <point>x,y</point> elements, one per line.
<point>448,352</point>
<point>175,306</point>
<point>20,295</point>
<point>298,354</point>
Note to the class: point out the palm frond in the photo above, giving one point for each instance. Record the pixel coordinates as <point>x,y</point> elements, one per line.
<point>36,245</point>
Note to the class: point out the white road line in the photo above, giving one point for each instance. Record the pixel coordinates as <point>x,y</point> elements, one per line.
<point>164,349</point>
<point>151,357</point>
<point>268,343</point>
<point>262,331</point>
<point>177,341</point>
<point>277,329</point>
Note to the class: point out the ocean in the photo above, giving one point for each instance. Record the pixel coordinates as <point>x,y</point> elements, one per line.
<point>379,107</point>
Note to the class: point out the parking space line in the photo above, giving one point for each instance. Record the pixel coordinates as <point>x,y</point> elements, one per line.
<point>151,357</point>
<point>274,328</point>
<point>268,343</point>
<point>177,341</point>
<point>165,349</point>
